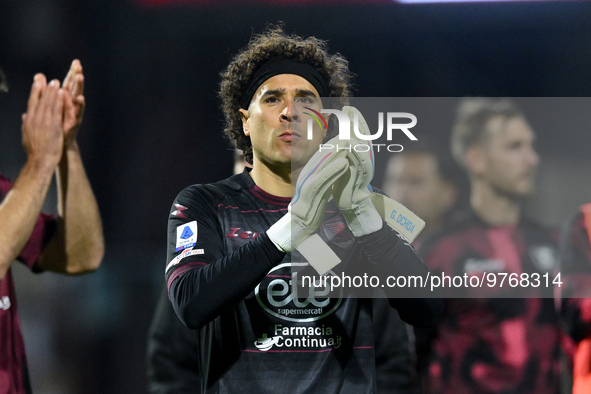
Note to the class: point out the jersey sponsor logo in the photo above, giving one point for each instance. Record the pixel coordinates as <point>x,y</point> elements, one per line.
<point>184,253</point>
<point>186,236</point>
<point>294,337</point>
<point>238,232</point>
<point>338,233</point>
<point>543,257</point>
<point>5,303</point>
<point>472,266</point>
<point>265,343</point>
<point>178,212</point>
<point>282,295</point>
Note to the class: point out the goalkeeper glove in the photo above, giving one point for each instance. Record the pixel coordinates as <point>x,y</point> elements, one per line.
<point>307,207</point>
<point>351,192</point>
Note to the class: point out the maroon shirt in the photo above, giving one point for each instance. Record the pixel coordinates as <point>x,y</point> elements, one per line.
<point>493,344</point>
<point>575,295</point>
<point>13,363</point>
<point>576,269</point>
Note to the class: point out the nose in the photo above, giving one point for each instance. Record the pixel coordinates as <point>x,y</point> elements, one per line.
<point>404,192</point>
<point>534,158</point>
<point>289,114</point>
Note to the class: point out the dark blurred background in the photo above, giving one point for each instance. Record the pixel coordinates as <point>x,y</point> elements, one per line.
<point>153,126</point>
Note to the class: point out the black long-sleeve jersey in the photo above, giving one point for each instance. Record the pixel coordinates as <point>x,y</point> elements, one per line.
<point>258,331</point>
<point>173,366</point>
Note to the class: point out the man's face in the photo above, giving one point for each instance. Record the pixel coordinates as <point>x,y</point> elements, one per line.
<point>276,125</point>
<point>413,179</point>
<point>509,157</point>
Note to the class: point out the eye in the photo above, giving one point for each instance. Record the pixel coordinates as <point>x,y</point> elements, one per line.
<point>514,146</point>
<point>271,100</point>
<point>306,100</point>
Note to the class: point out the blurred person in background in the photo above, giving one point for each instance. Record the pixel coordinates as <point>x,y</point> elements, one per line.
<point>71,242</point>
<point>424,180</point>
<point>494,344</point>
<point>574,296</point>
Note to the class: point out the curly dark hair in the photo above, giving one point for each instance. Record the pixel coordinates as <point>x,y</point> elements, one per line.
<point>274,42</point>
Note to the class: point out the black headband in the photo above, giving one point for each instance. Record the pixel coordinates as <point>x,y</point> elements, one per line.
<point>281,65</point>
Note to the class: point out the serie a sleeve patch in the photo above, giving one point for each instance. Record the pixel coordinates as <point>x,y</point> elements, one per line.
<point>185,253</point>
<point>186,235</point>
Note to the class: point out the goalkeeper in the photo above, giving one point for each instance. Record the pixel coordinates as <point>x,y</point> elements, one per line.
<point>234,246</point>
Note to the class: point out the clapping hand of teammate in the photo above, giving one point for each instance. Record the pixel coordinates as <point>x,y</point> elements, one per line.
<point>54,113</point>
<point>42,123</point>
<point>307,207</point>
<point>74,102</point>
<point>351,192</point>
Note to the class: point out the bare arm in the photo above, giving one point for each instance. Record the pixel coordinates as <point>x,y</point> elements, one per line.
<point>43,142</point>
<point>78,245</point>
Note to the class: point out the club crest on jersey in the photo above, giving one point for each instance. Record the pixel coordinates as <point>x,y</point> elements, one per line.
<point>186,235</point>
<point>5,303</point>
<point>543,257</point>
<point>477,266</point>
<point>337,232</point>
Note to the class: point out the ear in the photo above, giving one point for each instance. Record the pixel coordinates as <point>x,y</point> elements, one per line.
<point>476,160</point>
<point>245,116</point>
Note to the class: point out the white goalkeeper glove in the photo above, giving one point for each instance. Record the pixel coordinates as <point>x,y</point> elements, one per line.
<point>307,207</point>
<point>351,192</point>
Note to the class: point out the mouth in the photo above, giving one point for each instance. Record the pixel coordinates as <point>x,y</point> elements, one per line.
<point>289,136</point>
<point>529,176</point>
